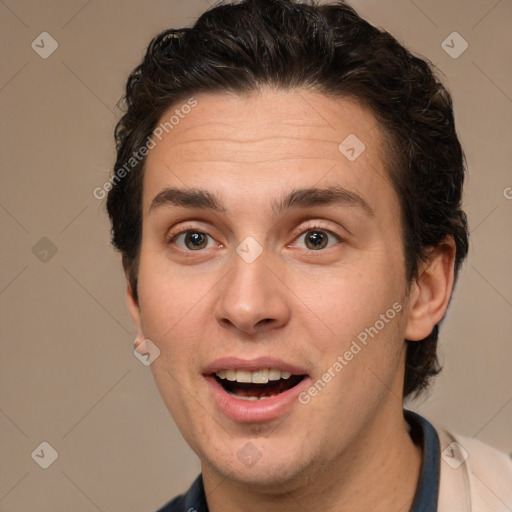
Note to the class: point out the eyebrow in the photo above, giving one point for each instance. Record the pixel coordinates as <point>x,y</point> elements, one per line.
<point>296,199</point>
<point>191,198</point>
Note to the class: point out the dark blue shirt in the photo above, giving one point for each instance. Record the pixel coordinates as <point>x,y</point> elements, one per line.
<point>425,500</point>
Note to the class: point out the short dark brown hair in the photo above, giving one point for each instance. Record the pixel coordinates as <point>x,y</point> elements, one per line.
<point>286,44</point>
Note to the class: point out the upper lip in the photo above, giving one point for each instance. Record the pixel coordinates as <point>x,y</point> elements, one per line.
<point>236,363</point>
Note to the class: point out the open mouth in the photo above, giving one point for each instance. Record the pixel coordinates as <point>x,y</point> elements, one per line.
<point>257,385</point>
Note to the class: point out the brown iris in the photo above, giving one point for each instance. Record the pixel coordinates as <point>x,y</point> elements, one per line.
<point>316,240</point>
<point>195,240</point>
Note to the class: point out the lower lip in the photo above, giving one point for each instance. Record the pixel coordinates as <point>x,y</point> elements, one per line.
<point>246,411</point>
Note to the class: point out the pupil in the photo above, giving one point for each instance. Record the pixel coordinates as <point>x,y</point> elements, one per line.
<point>316,240</point>
<point>195,240</point>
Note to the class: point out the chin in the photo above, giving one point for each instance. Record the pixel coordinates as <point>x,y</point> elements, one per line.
<point>271,469</point>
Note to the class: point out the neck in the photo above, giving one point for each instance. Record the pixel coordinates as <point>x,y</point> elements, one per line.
<point>379,472</point>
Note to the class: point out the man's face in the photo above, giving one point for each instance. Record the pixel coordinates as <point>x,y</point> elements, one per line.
<point>276,250</point>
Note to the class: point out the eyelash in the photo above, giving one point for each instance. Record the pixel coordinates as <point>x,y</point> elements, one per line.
<point>316,226</point>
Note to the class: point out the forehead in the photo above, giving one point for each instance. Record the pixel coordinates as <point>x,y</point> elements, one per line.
<point>273,139</point>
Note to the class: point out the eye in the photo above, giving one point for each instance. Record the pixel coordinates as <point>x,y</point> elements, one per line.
<point>317,239</point>
<point>193,240</point>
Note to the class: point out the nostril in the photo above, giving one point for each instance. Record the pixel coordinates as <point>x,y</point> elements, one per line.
<point>228,323</point>
<point>264,322</point>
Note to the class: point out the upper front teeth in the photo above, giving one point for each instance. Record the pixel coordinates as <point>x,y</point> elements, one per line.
<point>258,377</point>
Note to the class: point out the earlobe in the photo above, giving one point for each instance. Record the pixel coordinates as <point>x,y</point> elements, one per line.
<point>134,310</point>
<point>430,293</point>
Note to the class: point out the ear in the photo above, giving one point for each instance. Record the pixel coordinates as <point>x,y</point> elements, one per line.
<point>134,310</point>
<point>431,291</point>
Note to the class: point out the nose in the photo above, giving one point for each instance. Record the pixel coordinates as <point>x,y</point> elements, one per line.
<point>252,299</point>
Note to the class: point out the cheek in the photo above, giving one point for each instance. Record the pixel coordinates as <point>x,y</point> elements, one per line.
<point>166,293</point>
<point>361,312</point>
<point>172,316</point>
<point>172,307</point>
<point>348,300</point>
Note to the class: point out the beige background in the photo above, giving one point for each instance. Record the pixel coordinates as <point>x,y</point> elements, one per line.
<point>68,375</point>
